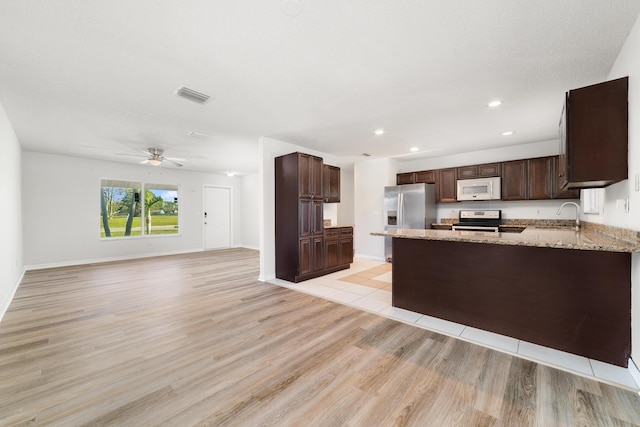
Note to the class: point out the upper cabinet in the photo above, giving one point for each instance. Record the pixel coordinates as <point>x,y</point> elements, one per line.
<point>406,178</point>
<point>310,176</point>
<point>514,180</point>
<point>331,177</point>
<point>594,136</point>
<point>446,181</point>
<point>488,170</point>
<point>526,179</point>
<point>425,177</point>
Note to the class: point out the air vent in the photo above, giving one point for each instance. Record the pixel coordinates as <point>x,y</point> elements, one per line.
<point>199,135</point>
<point>192,95</point>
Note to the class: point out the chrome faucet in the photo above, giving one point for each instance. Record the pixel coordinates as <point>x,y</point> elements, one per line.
<point>577,212</point>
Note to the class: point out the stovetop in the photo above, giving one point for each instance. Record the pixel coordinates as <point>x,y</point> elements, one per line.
<point>479,218</point>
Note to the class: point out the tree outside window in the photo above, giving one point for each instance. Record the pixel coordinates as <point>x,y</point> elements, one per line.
<point>124,212</point>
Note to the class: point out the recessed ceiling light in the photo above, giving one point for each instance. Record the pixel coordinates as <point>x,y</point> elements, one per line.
<point>230,174</point>
<point>379,131</point>
<point>413,149</point>
<point>507,133</point>
<point>494,104</point>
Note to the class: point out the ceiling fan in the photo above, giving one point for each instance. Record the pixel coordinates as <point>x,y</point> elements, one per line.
<point>156,157</point>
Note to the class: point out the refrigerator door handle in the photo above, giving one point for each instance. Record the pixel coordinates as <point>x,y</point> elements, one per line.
<point>400,210</point>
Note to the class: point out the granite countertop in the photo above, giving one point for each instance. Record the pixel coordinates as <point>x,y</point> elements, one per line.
<point>326,227</point>
<point>564,238</point>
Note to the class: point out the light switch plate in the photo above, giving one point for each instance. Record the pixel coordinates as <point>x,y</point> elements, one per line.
<point>637,179</point>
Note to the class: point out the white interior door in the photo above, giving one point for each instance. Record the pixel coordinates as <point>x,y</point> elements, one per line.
<point>217,217</point>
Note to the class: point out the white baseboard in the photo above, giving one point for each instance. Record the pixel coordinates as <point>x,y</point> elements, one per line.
<point>635,372</point>
<point>106,259</point>
<point>255,248</point>
<point>263,278</point>
<point>374,258</point>
<point>9,297</point>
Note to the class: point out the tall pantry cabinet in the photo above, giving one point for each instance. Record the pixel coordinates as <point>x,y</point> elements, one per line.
<point>299,228</point>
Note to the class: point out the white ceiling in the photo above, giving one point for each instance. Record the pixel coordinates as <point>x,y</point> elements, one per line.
<point>91,78</point>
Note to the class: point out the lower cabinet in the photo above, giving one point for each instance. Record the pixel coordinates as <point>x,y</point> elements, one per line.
<point>345,249</point>
<point>338,247</point>
<point>311,254</point>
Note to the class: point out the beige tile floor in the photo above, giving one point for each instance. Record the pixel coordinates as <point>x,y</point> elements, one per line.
<point>367,286</point>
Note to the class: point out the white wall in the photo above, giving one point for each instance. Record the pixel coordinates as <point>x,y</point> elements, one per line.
<point>628,64</point>
<point>249,215</point>
<point>11,253</point>
<point>346,207</point>
<point>370,178</point>
<point>61,210</point>
<point>269,149</point>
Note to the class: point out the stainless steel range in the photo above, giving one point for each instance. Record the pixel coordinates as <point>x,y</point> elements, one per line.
<point>479,220</point>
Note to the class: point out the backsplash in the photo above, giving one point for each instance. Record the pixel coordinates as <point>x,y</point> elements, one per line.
<point>631,236</point>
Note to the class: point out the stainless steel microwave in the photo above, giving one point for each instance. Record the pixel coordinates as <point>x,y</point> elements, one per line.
<point>479,189</point>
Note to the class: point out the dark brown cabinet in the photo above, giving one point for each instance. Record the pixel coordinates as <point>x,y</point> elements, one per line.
<point>406,178</point>
<point>310,217</point>
<point>514,180</point>
<point>338,243</point>
<point>533,179</point>
<point>446,182</point>
<point>425,177</point>
<point>480,171</point>
<point>331,177</point>
<point>299,231</point>
<point>526,179</point>
<point>540,182</point>
<point>310,170</point>
<point>559,193</point>
<point>331,247</point>
<point>345,249</point>
<point>303,249</point>
<point>594,130</point>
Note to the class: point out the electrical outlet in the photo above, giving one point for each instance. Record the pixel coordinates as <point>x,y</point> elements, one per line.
<point>623,203</point>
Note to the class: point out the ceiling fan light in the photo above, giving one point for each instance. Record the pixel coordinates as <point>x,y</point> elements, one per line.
<point>155,162</point>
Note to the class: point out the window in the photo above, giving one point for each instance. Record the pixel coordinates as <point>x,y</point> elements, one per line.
<point>161,209</point>
<point>124,212</point>
<point>593,201</point>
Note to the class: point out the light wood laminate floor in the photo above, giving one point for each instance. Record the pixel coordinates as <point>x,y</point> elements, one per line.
<point>196,340</point>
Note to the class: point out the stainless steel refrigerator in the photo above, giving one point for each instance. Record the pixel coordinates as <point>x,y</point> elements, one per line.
<point>408,206</point>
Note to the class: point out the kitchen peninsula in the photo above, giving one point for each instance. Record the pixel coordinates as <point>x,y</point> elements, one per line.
<point>558,288</point>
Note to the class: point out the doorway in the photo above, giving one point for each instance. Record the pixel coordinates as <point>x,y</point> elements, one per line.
<point>217,217</point>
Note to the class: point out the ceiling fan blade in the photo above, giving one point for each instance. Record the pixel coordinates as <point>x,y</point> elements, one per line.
<point>133,155</point>
<point>144,162</point>
<point>171,161</point>
<point>175,159</point>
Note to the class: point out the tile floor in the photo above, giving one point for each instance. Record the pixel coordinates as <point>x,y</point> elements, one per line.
<point>367,286</point>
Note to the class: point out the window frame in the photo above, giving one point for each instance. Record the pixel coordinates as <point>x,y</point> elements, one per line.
<point>141,187</point>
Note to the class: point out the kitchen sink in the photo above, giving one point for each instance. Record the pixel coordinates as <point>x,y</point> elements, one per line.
<point>511,229</point>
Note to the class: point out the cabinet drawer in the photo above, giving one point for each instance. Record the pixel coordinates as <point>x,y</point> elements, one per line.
<point>331,233</point>
<point>347,231</point>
